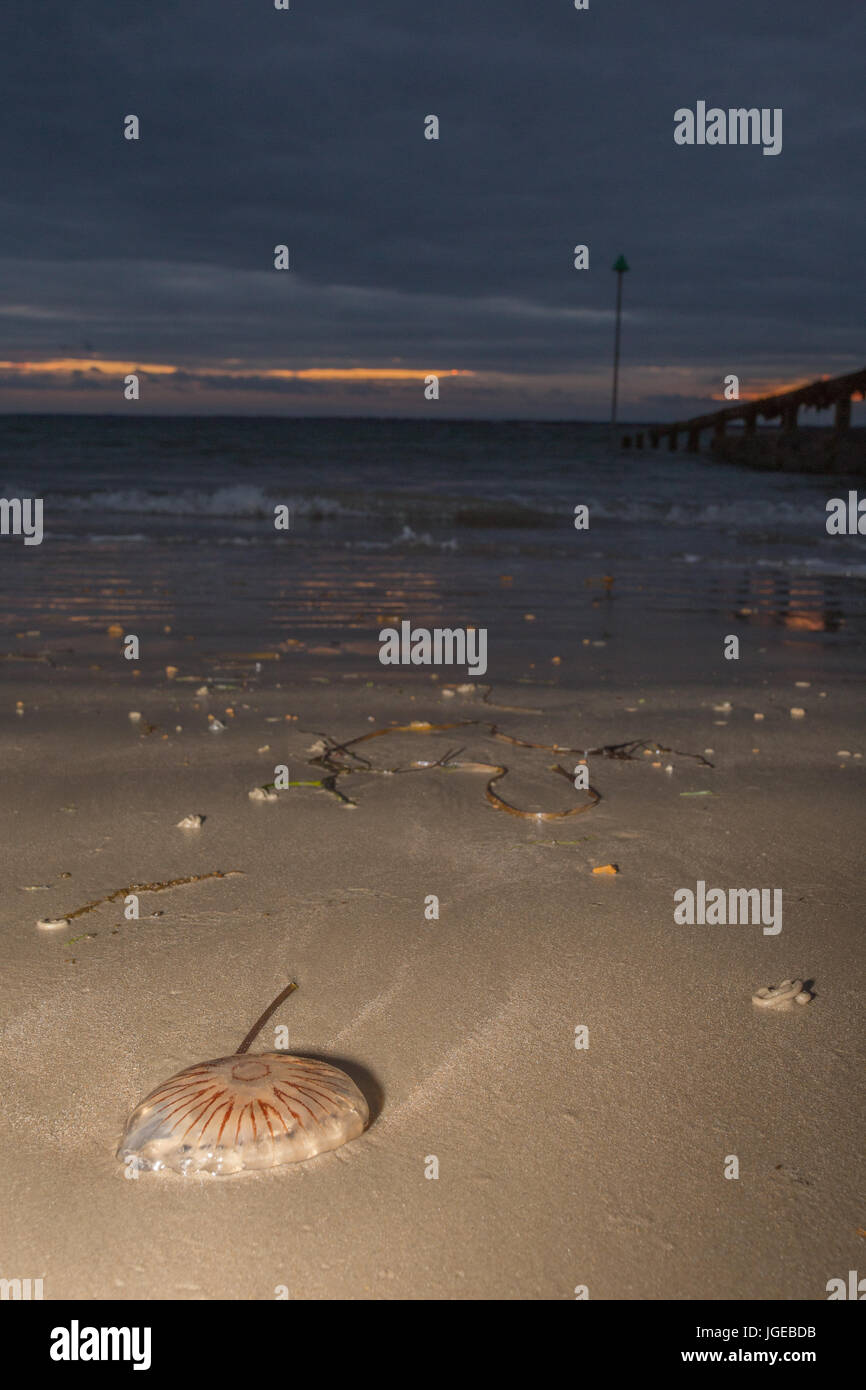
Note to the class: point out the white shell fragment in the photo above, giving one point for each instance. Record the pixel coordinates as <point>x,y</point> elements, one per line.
<point>52,923</point>
<point>190,823</point>
<point>781,996</point>
<point>262,794</point>
<point>246,1111</point>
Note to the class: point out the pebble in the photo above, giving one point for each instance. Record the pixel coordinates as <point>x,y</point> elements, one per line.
<point>843,753</point>
<point>171,672</point>
<point>797,713</point>
<point>134,715</point>
<point>757,716</point>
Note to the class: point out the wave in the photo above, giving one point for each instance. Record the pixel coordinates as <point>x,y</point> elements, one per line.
<point>748,514</point>
<point>240,499</point>
<point>813,564</point>
<point>417,512</point>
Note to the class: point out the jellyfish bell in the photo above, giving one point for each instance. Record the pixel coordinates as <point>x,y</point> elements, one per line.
<point>244,1111</point>
<point>250,1110</point>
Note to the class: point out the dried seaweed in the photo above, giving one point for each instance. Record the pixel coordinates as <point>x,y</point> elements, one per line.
<point>145,888</point>
<point>335,759</point>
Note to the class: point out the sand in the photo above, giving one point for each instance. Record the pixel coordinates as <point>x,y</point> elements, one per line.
<point>558,1167</point>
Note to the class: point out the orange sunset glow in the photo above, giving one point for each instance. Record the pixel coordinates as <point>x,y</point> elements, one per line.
<point>115,368</point>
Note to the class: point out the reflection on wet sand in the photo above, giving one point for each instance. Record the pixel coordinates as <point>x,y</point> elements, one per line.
<point>780,600</point>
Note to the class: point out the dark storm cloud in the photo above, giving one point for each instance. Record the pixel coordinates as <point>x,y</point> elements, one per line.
<point>306,127</point>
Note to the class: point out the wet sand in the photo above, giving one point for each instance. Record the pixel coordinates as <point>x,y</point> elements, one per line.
<point>559,1167</point>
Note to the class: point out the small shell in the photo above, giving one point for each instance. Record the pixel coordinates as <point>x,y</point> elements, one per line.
<point>52,923</point>
<point>778,996</point>
<point>190,823</point>
<point>262,794</point>
<point>245,1111</point>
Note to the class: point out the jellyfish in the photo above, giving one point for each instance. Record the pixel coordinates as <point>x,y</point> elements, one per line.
<point>250,1110</point>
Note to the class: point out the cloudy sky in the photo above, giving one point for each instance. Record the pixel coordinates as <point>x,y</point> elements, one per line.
<point>411,256</point>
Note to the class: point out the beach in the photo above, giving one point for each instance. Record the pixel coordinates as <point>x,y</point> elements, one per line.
<point>432,654</point>
<point>580,1066</point>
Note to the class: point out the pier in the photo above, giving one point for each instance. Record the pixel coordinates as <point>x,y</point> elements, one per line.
<point>777,446</point>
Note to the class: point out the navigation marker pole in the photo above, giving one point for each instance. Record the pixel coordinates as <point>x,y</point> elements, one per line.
<point>620,265</point>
